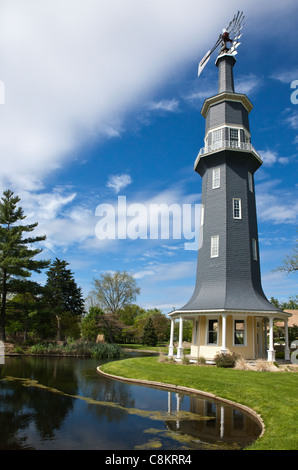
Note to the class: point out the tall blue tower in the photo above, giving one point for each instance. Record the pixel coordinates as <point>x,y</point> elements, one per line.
<point>228,307</point>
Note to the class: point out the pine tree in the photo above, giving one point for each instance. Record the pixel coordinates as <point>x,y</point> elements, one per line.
<point>16,252</point>
<point>149,335</point>
<point>62,294</point>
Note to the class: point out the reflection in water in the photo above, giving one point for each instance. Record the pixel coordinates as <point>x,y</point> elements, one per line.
<point>63,403</point>
<point>222,423</point>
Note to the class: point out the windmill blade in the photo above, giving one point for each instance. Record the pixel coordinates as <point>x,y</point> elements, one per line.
<point>238,20</point>
<point>204,62</point>
<point>236,24</point>
<point>235,45</point>
<point>234,27</point>
<point>206,57</point>
<point>231,22</point>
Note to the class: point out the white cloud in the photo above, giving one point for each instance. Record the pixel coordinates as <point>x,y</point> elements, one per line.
<point>293,120</point>
<point>119,182</point>
<point>164,105</point>
<point>276,205</point>
<point>73,69</point>
<point>270,157</point>
<point>164,272</point>
<point>247,84</point>
<point>286,76</point>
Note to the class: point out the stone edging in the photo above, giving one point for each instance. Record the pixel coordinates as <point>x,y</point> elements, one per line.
<point>180,388</point>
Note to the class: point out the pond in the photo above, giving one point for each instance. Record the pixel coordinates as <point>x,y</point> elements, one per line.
<point>58,403</point>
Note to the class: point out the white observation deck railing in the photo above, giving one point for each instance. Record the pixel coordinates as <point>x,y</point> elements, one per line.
<point>227,144</point>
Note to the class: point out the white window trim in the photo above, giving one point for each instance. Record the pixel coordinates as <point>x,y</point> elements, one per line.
<point>245,332</point>
<point>215,180</point>
<point>228,126</point>
<point>207,331</point>
<point>238,134</point>
<point>202,215</point>
<point>219,131</point>
<point>240,210</point>
<point>214,246</point>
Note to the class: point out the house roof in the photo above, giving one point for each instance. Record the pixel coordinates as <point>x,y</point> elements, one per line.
<point>293,320</point>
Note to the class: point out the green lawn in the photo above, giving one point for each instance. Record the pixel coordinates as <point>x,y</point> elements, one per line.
<point>160,348</point>
<point>273,395</point>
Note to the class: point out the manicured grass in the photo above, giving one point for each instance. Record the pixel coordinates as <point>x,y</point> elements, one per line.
<point>142,347</point>
<point>273,395</point>
<point>157,349</point>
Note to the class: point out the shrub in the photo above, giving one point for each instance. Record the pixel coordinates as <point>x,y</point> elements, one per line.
<point>106,351</point>
<point>263,366</point>
<point>241,364</point>
<point>201,361</point>
<point>162,357</point>
<point>225,360</point>
<point>80,349</point>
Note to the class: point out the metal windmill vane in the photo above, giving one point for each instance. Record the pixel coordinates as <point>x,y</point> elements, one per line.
<point>233,29</point>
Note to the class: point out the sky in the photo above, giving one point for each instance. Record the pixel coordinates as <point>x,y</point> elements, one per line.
<point>101,103</point>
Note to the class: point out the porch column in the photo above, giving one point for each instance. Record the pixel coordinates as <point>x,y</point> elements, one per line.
<point>171,345</point>
<point>224,333</point>
<point>180,347</point>
<point>287,350</point>
<point>265,321</point>
<point>271,352</point>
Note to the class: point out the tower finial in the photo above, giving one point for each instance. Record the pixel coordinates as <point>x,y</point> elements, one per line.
<point>233,28</point>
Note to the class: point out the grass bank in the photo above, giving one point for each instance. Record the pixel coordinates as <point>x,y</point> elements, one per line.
<point>273,395</point>
<point>77,349</point>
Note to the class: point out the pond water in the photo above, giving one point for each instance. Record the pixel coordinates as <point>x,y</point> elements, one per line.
<point>64,403</point>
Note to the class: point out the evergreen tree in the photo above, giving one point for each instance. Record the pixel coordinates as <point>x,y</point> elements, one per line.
<point>149,335</point>
<point>63,296</point>
<point>16,253</point>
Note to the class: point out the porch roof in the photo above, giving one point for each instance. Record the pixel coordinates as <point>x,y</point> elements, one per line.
<point>190,314</point>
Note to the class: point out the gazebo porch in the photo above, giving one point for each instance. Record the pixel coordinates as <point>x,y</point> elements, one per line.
<point>219,331</point>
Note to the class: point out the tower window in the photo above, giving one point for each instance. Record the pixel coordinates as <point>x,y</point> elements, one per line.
<point>234,135</point>
<point>237,208</point>
<point>202,214</point>
<point>217,138</point>
<point>250,182</point>
<point>216,178</point>
<point>254,249</point>
<point>214,246</point>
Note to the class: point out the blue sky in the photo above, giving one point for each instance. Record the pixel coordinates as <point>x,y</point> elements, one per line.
<point>102,100</point>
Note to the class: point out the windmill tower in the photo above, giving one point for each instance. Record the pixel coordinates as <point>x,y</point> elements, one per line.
<point>228,308</point>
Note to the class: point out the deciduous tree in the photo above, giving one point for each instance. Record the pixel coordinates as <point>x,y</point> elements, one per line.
<point>114,291</point>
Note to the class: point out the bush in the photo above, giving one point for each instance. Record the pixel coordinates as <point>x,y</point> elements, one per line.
<point>225,360</point>
<point>79,349</point>
<point>241,364</point>
<point>201,361</point>
<point>106,351</point>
